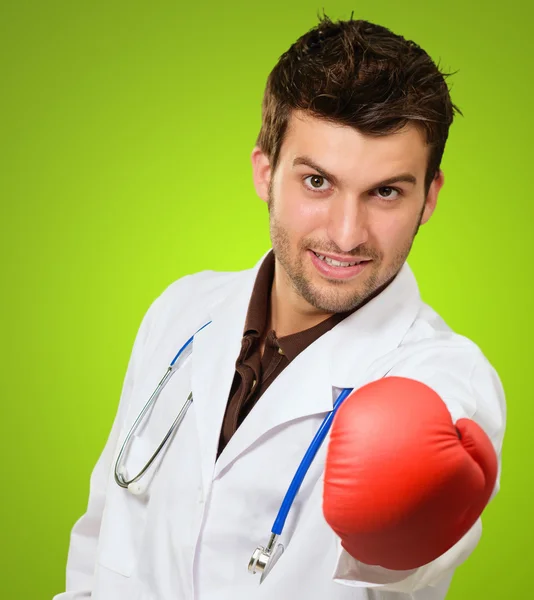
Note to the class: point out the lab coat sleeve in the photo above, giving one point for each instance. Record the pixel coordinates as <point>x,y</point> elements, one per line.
<point>470,387</point>
<point>84,536</point>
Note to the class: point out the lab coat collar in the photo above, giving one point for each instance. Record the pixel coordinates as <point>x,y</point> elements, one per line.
<point>308,386</point>
<point>370,333</point>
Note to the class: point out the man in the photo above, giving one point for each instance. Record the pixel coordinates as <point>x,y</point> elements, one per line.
<point>355,121</point>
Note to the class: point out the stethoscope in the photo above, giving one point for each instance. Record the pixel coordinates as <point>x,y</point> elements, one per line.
<point>264,557</point>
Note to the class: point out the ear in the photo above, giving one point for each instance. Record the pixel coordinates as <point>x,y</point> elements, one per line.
<point>261,173</point>
<point>432,196</point>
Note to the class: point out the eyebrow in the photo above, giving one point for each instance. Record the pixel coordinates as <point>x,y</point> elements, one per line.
<point>402,177</point>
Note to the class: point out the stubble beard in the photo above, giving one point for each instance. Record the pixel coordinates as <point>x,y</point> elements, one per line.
<point>334,296</point>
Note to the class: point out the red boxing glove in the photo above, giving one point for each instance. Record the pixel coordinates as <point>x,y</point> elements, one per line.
<point>402,484</point>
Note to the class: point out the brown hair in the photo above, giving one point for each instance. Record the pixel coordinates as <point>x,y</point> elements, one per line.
<point>362,75</point>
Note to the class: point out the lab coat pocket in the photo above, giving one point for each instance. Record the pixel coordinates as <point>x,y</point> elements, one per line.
<point>124,518</point>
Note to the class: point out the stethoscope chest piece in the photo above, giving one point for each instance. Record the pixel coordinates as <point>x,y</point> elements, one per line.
<point>264,559</point>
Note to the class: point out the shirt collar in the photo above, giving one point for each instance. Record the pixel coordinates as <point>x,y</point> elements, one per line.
<point>258,310</point>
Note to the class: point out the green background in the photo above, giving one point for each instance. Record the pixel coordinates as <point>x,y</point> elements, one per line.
<point>126,130</point>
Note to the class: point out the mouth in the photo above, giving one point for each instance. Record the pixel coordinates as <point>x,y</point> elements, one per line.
<point>334,268</point>
<point>339,263</point>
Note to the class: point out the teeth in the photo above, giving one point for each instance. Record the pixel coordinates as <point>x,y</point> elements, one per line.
<point>336,263</point>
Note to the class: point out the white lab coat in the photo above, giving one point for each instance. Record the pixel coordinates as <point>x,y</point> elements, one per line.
<point>192,535</point>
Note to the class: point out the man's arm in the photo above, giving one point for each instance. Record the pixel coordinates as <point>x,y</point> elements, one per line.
<point>85,533</point>
<point>464,383</point>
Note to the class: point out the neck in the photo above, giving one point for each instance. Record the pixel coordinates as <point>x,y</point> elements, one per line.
<point>289,313</point>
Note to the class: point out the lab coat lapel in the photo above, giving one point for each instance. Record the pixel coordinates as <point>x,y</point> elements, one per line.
<point>215,352</point>
<point>364,340</point>
<point>342,357</point>
<point>301,389</point>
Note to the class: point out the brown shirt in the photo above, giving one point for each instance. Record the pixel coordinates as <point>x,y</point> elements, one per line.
<point>255,373</point>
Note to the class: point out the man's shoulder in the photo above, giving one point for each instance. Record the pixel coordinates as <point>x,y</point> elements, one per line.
<point>186,303</point>
<point>430,335</point>
<point>196,293</point>
<point>450,362</point>
<point>200,285</point>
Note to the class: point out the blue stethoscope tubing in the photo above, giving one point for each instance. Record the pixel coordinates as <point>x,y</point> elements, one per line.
<point>305,464</point>
<point>183,348</point>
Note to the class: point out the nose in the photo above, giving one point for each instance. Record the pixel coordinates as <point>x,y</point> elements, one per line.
<point>347,222</point>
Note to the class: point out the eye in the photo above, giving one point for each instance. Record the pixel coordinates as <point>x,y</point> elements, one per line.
<point>317,183</point>
<point>388,193</point>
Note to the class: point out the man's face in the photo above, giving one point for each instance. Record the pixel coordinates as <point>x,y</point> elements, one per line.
<point>338,195</point>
